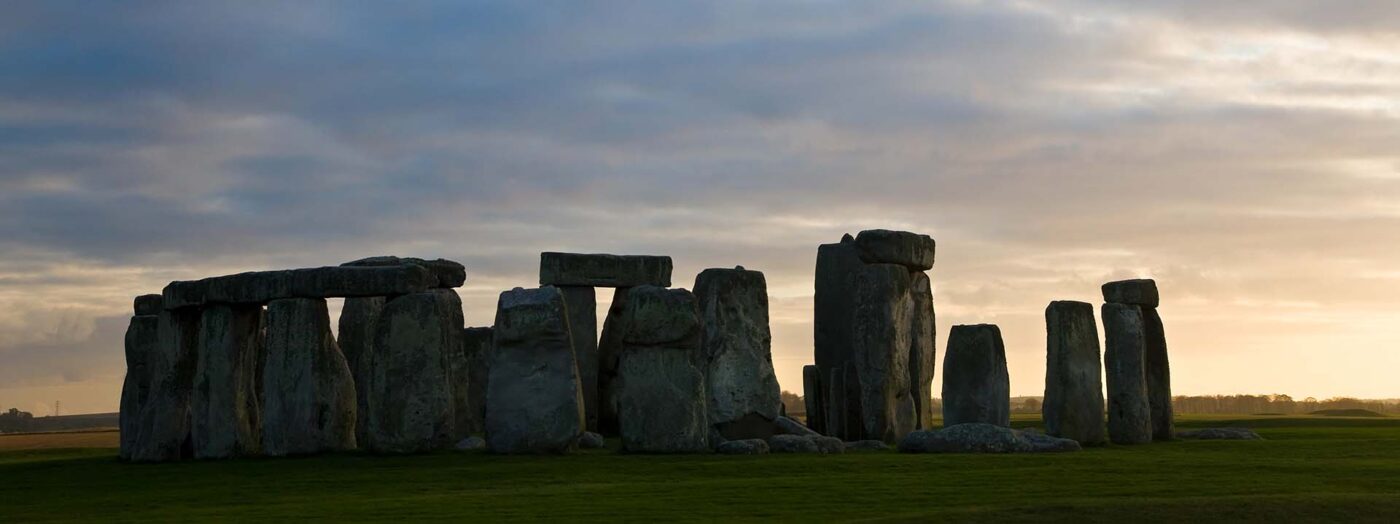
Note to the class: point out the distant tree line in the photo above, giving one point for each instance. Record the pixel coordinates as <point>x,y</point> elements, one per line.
<point>16,421</point>
<point>1203,404</point>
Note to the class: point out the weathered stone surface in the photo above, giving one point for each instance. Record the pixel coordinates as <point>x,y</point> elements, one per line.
<point>976,387</point>
<point>591,440</point>
<point>834,304</point>
<point>164,432</point>
<point>601,270</point>
<point>1157,371</point>
<point>883,321</point>
<point>867,445</point>
<point>751,446</point>
<point>308,391</point>
<point>148,305</point>
<point>477,346</point>
<point>660,393</point>
<point>814,398</point>
<point>142,340</point>
<point>411,395</point>
<point>1129,414</point>
<point>923,350</point>
<point>787,426</point>
<point>1140,292</point>
<point>582,303</point>
<point>843,404</point>
<point>446,273</point>
<point>792,444</point>
<point>1073,407</point>
<point>358,320</point>
<point>1220,434</point>
<point>743,394</point>
<point>881,246</point>
<point>260,287</point>
<point>534,402</point>
<point>470,444</point>
<point>226,410</point>
<point>610,346</point>
<point>828,445</point>
<point>982,438</point>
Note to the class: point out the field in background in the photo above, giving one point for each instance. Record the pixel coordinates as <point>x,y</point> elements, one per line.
<point>1310,468</point>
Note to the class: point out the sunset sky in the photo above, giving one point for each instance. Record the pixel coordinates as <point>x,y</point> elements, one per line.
<point>1247,156</point>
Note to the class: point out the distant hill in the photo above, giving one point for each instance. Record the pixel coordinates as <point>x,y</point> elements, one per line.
<point>18,422</point>
<point>1346,413</point>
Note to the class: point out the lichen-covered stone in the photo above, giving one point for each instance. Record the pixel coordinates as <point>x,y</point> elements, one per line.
<point>659,391</point>
<point>736,345</point>
<point>1073,407</point>
<point>976,387</point>
<point>411,391</point>
<point>534,402</point>
<point>308,391</point>
<point>1129,413</point>
<point>226,410</point>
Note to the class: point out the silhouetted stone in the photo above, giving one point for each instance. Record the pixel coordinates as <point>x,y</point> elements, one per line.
<point>534,402</point>
<point>411,401</point>
<point>660,394</point>
<point>142,340</point>
<point>359,318</point>
<point>843,404</point>
<point>1129,414</point>
<point>923,350</point>
<point>1073,407</point>
<point>226,412</point>
<point>308,391</point>
<point>602,270</point>
<point>582,302</point>
<point>743,395</point>
<point>1141,292</point>
<point>883,324</point>
<point>477,347</point>
<point>610,346</point>
<point>982,438</point>
<point>787,426</point>
<point>976,387</point>
<point>1220,434</point>
<point>591,440</point>
<point>881,246</point>
<point>446,273</point>
<point>792,444</point>
<point>751,446</point>
<point>1157,371</point>
<point>833,305</point>
<point>814,398</point>
<point>260,287</point>
<point>164,432</point>
<point>148,305</point>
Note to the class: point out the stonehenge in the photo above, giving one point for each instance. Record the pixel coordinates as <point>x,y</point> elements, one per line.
<point>533,396</point>
<point>225,411</point>
<point>308,391</point>
<point>976,387</point>
<point>1156,366</point>
<point>410,397</point>
<point>742,391</point>
<point>658,391</point>
<point>1073,406</point>
<point>1129,413</point>
<point>142,338</point>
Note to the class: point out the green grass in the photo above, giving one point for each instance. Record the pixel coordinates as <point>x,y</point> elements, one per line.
<point>1309,469</point>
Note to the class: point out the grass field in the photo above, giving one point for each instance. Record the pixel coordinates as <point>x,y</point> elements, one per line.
<point>1309,469</point>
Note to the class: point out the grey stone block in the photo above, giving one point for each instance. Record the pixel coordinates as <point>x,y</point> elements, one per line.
<point>603,270</point>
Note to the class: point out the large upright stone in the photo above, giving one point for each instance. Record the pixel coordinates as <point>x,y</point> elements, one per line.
<point>260,287</point>
<point>976,387</point>
<point>1158,373</point>
<point>446,273</point>
<point>659,392</point>
<point>308,391</point>
<point>226,412</point>
<point>833,303</point>
<point>359,318</point>
<point>582,302</point>
<point>142,342</point>
<point>881,246</point>
<point>534,402</point>
<point>813,398</point>
<point>610,346</point>
<point>1139,292</point>
<point>883,336</point>
<point>410,384</point>
<point>601,270</point>
<point>477,347</point>
<point>165,419</point>
<point>1129,413</point>
<point>1073,406</point>
<point>923,350</point>
<point>741,387</point>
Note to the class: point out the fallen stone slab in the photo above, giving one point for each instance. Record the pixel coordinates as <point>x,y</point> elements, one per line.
<point>751,446</point>
<point>976,386</point>
<point>1129,412</point>
<point>882,246</point>
<point>603,270</point>
<point>792,444</point>
<point>828,445</point>
<point>787,426</point>
<point>982,438</point>
<point>736,346</point>
<point>142,338</point>
<point>148,305</point>
<point>1139,292</point>
<point>226,411</point>
<point>447,273</point>
<point>261,287</point>
<point>1073,407</point>
<point>534,402</point>
<point>308,390</point>
<point>411,395</point>
<point>867,445</point>
<point>164,431</point>
<point>1220,434</point>
<point>359,317</point>
<point>591,440</point>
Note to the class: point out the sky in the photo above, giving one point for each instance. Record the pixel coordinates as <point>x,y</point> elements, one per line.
<point>1245,155</point>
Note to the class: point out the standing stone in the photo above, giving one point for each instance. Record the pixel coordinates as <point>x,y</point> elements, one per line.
<point>833,303</point>
<point>308,391</point>
<point>582,303</point>
<point>1073,406</point>
<point>659,392</point>
<point>1159,376</point>
<point>164,433</point>
<point>736,345</point>
<point>923,350</point>
<point>1129,413</point>
<point>410,385</point>
<point>534,402</point>
<point>813,398</point>
<point>226,412</point>
<point>609,348</point>
<point>883,321</point>
<point>358,319</point>
<point>142,341</point>
<point>476,347</point>
<point>976,387</point>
